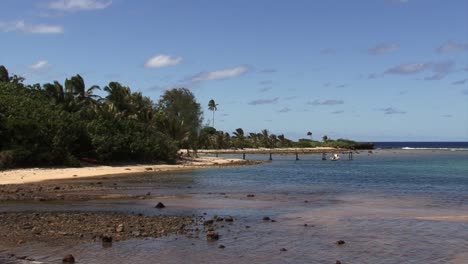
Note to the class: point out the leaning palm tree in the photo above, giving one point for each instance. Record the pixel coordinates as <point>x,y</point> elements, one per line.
<point>239,138</point>
<point>212,106</point>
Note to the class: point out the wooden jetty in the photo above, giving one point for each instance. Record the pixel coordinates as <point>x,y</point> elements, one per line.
<point>280,151</point>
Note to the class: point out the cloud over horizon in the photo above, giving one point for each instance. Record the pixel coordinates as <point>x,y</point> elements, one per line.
<point>326,102</point>
<point>162,60</point>
<point>391,111</point>
<point>460,82</point>
<point>78,5</point>
<point>383,48</point>
<point>284,110</point>
<point>264,101</point>
<point>22,26</point>
<point>219,74</point>
<point>337,112</point>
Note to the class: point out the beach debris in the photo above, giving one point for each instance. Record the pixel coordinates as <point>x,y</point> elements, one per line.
<point>250,195</point>
<point>160,205</point>
<point>222,246</point>
<point>120,228</point>
<point>266,218</point>
<point>340,242</point>
<point>148,169</point>
<point>283,249</point>
<point>212,236</point>
<point>68,259</point>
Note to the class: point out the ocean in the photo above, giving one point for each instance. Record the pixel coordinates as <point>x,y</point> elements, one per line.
<point>402,203</point>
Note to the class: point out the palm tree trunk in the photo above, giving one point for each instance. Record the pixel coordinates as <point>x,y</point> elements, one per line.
<point>213,118</point>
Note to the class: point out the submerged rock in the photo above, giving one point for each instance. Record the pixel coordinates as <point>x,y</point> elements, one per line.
<point>212,236</point>
<point>222,246</point>
<point>106,239</point>
<point>208,222</point>
<point>266,218</point>
<point>340,242</point>
<point>338,262</point>
<point>283,249</point>
<point>250,195</point>
<point>229,219</point>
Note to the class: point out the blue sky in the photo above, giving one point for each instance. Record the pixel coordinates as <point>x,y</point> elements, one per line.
<point>367,70</point>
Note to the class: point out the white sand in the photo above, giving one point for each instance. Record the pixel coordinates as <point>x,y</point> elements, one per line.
<point>19,176</point>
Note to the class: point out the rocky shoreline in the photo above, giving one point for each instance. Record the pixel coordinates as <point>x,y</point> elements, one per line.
<point>56,227</point>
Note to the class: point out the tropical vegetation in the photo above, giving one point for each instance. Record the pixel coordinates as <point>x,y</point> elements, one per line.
<point>66,124</point>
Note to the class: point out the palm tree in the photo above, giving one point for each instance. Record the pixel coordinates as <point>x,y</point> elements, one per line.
<point>325,138</point>
<point>265,138</point>
<point>239,138</point>
<point>212,106</point>
<point>253,138</point>
<point>309,134</point>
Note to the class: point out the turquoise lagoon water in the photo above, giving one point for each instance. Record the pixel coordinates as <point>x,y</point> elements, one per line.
<point>392,206</point>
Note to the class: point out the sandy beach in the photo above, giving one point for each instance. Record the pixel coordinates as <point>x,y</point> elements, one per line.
<point>31,175</point>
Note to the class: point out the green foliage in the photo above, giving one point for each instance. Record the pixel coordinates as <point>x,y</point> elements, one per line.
<point>49,125</point>
<point>182,116</point>
<point>4,77</point>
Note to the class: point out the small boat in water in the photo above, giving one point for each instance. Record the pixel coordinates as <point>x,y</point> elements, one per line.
<point>335,157</point>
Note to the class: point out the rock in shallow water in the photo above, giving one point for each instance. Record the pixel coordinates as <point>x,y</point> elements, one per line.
<point>68,259</point>
<point>160,205</point>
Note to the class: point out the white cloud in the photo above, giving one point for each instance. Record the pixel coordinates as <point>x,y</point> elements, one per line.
<point>410,68</point>
<point>162,60</point>
<point>451,46</point>
<point>264,101</point>
<point>219,74</point>
<point>439,69</point>
<point>326,102</point>
<point>40,65</point>
<point>21,26</point>
<point>77,5</point>
<point>383,48</point>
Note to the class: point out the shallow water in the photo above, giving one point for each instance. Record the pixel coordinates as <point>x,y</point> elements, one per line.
<point>395,206</point>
